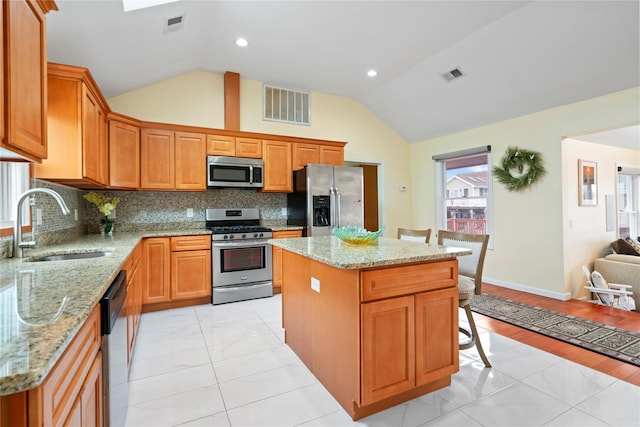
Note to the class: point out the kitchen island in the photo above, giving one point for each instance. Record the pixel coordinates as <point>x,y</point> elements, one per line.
<point>376,324</point>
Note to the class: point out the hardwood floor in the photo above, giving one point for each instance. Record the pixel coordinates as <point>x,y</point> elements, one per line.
<point>611,316</point>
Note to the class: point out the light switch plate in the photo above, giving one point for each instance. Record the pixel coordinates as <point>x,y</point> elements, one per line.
<point>315,284</point>
<point>189,212</point>
<point>38,216</point>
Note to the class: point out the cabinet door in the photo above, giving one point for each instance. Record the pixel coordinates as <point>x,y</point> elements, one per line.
<point>436,335</point>
<point>220,145</point>
<point>124,155</point>
<point>190,161</point>
<point>303,154</point>
<point>388,348</point>
<point>249,147</point>
<point>190,274</point>
<point>93,155</point>
<point>277,166</point>
<point>91,395</point>
<point>332,156</point>
<point>157,169</point>
<point>25,80</point>
<point>276,257</point>
<point>155,262</point>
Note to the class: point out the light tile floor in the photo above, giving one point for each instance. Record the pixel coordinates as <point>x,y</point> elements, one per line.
<point>227,365</point>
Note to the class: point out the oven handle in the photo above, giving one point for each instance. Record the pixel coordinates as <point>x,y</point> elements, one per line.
<point>235,288</point>
<point>239,243</point>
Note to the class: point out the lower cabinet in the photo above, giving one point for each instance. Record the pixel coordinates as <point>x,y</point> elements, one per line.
<point>420,350</point>
<point>71,395</point>
<point>277,257</point>
<point>133,302</point>
<point>177,271</point>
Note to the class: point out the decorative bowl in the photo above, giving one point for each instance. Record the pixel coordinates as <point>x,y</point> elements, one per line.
<point>357,235</point>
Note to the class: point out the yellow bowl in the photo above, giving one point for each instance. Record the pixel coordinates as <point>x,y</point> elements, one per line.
<point>357,235</point>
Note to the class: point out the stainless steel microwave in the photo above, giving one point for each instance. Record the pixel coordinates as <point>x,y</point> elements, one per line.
<point>239,172</point>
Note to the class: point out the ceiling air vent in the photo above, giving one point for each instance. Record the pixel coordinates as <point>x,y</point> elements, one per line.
<point>452,75</point>
<point>285,105</point>
<point>174,24</point>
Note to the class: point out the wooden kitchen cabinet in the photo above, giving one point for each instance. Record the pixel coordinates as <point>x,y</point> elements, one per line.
<point>77,129</point>
<point>190,161</point>
<point>133,302</point>
<point>374,337</point>
<point>23,104</point>
<point>235,146</point>
<point>182,271</point>
<point>124,154</point>
<point>155,263</point>
<point>276,257</point>
<point>305,153</point>
<point>172,160</point>
<point>277,166</point>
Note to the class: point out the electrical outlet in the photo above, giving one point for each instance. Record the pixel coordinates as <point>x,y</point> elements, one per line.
<point>112,215</point>
<point>315,284</point>
<point>189,213</point>
<point>75,214</point>
<point>284,212</point>
<point>38,216</point>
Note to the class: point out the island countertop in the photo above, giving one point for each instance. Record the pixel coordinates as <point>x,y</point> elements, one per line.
<point>44,304</point>
<point>332,251</point>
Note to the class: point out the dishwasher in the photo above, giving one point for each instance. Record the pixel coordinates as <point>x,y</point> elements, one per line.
<point>115,370</point>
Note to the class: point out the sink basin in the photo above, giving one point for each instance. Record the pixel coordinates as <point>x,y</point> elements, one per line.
<point>77,255</point>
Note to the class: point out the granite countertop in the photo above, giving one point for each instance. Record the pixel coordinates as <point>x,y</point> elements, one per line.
<point>44,304</point>
<point>386,251</point>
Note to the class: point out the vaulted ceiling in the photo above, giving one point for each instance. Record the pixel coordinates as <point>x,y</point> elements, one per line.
<point>516,57</point>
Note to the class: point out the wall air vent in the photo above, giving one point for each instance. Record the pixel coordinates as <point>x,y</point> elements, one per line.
<point>174,24</point>
<point>285,105</point>
<point>452,75</point>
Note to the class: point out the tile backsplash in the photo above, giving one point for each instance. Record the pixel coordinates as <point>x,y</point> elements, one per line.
<point>140,210</point>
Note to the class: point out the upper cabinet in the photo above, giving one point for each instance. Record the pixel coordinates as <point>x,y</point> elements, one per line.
<point>124,154</point>
<point>23,67</point>
<point>171,160</point>
<point>305,153</point>
<point>277,166</point>
<point>77,128</point>
<point>236,146</point>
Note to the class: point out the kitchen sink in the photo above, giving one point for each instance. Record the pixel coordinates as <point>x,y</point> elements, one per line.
<point>68,256</point>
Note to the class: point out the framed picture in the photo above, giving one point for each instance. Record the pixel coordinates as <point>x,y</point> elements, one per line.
<point>587,183</point>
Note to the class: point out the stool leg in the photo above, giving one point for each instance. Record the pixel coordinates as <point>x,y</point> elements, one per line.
<point>474,331</point>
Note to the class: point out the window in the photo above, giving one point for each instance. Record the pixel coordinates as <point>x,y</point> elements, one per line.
<point>628,202</point>
<point>14,180</point>
<point>463,186</point>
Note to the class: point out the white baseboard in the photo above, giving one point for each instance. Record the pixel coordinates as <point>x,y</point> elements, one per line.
<point>536,291</point>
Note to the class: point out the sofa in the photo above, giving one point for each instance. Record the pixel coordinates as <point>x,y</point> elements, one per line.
<point>623,268</point>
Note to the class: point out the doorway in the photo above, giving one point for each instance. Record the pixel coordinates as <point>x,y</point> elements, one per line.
<point>372,211</point>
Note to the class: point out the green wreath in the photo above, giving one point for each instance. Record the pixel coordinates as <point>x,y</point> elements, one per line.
<point>519,168</point>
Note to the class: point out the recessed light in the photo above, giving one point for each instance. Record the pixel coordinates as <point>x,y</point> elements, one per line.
<point>242,43</point>
<point>372,73</point>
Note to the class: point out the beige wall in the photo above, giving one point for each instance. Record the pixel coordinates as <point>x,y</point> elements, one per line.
<point>196,99</point>
<point>528,251</point>
<point>585,233</point>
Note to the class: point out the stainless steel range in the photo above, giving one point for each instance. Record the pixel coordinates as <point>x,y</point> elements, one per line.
<point>240,255</point>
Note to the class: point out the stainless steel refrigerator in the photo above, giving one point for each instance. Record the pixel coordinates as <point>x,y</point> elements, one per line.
<point>325,197</point>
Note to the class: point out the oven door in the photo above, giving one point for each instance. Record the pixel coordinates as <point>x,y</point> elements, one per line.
<point>240,262</point>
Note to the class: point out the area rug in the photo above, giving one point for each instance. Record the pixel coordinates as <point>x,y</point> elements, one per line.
<point>618,343</point>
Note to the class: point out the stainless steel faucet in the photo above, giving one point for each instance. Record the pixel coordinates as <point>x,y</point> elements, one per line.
<point>18,244</point>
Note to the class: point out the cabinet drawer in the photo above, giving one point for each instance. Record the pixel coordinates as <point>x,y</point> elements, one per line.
<point>286,234</point>
<point>395,281</point>
<point>191,243</point>
<point>63,384</point>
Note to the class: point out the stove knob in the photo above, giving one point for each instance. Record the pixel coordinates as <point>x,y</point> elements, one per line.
<point>261,235</point>
<point>255,235</point>
<point>230,236</point>
<point>244,236</point>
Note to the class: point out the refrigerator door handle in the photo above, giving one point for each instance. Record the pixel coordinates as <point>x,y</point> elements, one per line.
<point>332,207</point>
<point>337,207</point>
